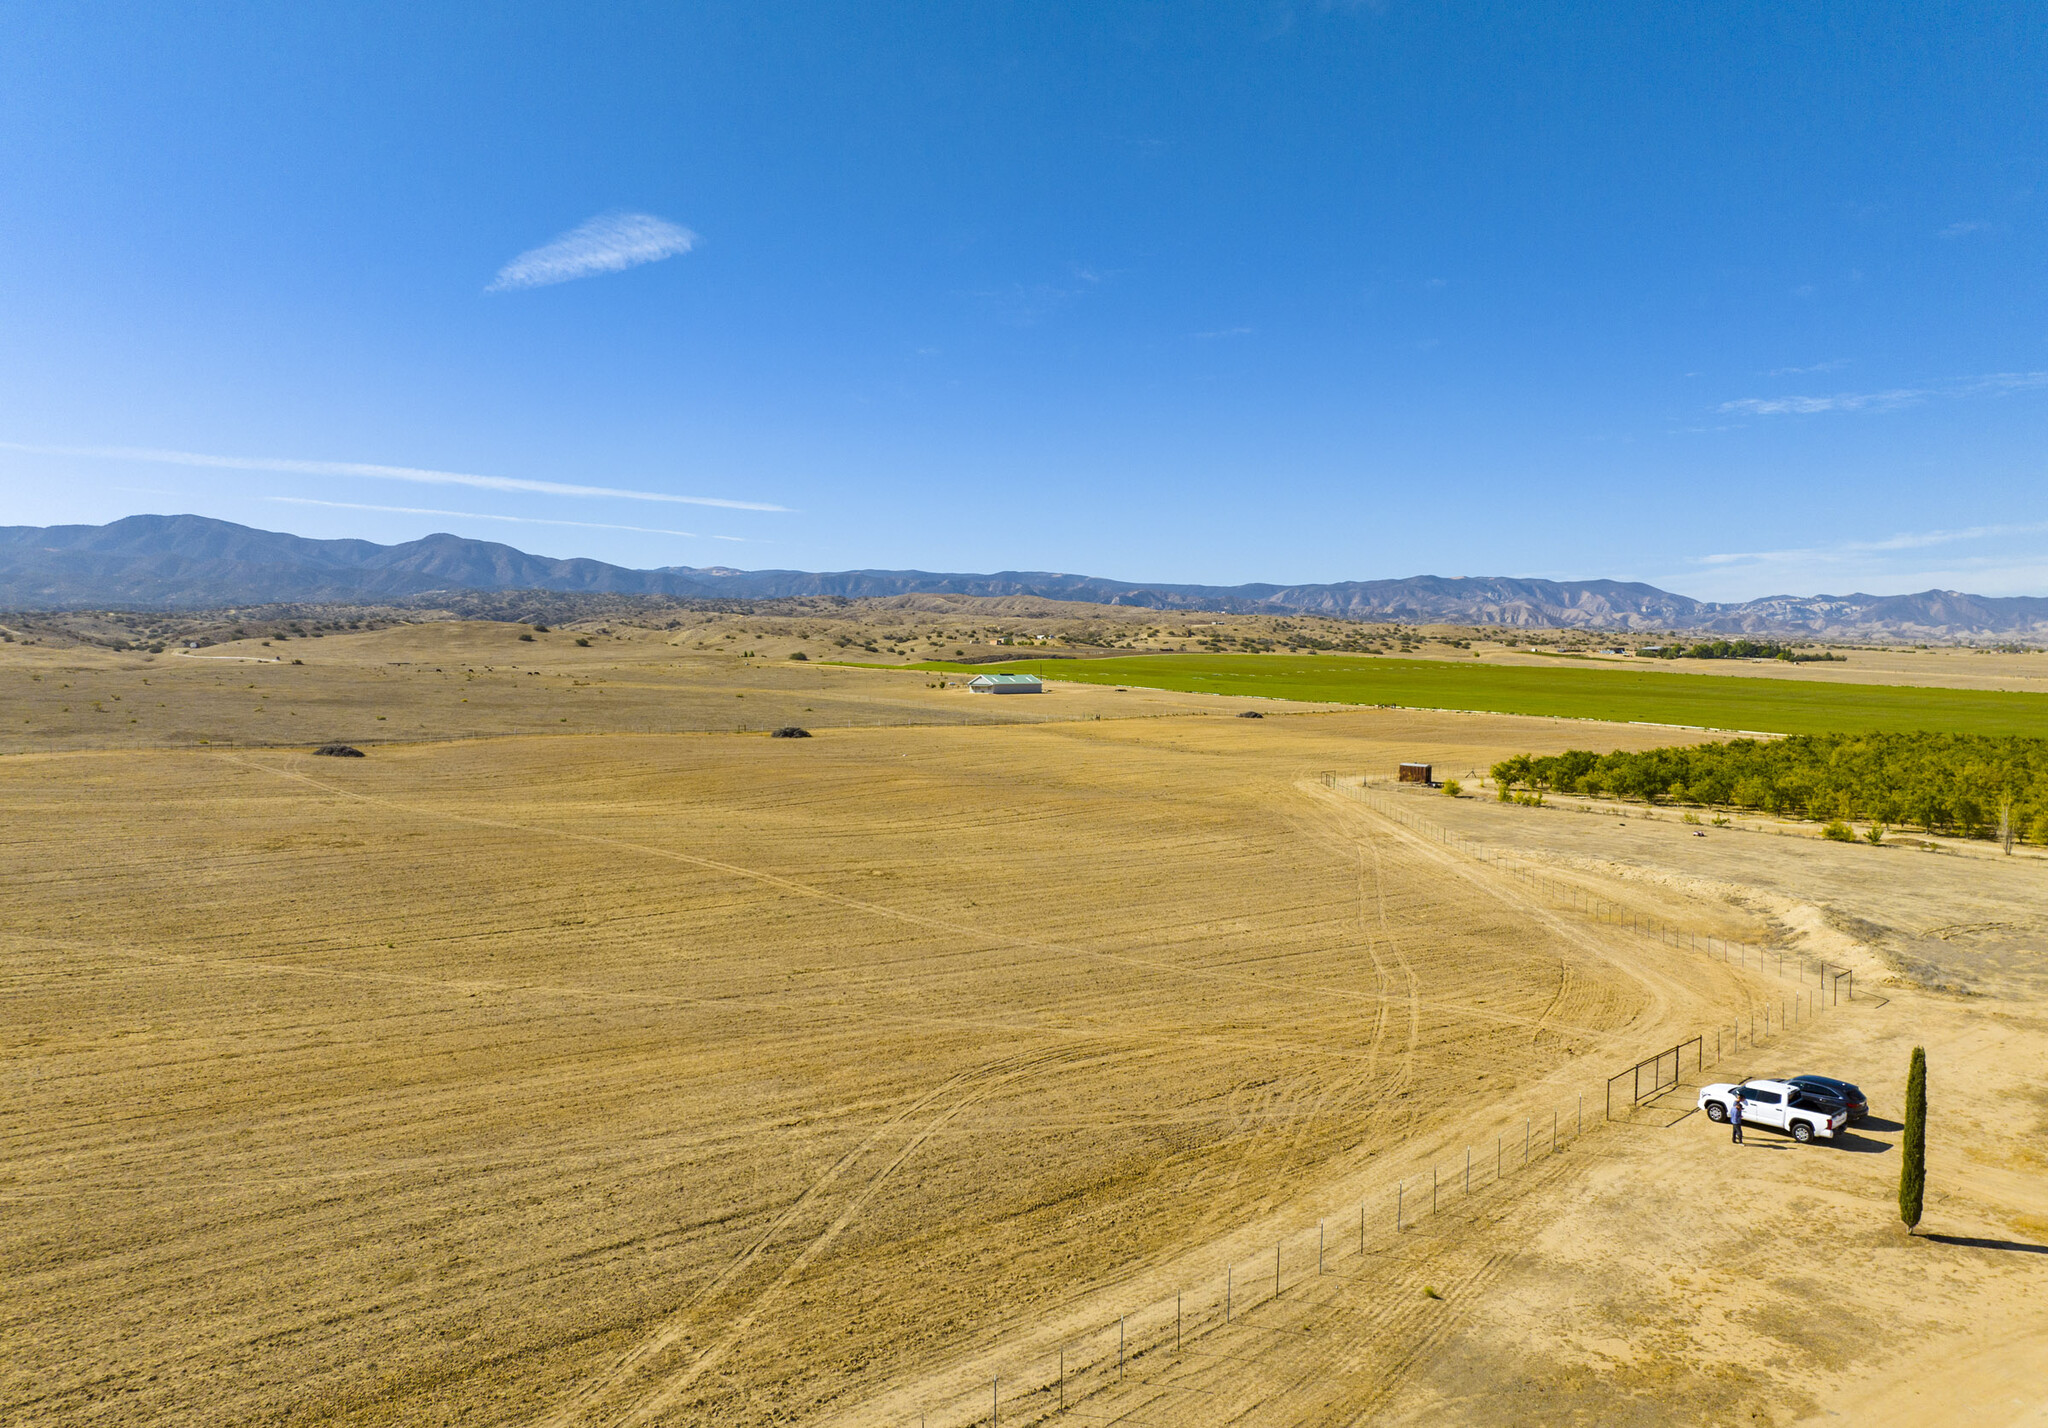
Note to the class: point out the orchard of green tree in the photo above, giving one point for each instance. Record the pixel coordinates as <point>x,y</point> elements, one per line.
<point>1737,649</point>
<point>1968,784</point>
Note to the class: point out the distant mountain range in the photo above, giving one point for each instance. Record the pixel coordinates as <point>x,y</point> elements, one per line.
<point>192,562</point>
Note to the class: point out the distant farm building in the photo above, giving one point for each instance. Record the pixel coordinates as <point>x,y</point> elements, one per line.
<point>1417,773</point>
<point>1006,684</point>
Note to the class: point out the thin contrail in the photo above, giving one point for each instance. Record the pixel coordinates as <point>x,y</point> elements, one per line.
<point>388,473</point>
<point>486,516</point>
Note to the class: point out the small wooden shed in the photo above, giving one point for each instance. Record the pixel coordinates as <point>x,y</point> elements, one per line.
<point>1417,773</point>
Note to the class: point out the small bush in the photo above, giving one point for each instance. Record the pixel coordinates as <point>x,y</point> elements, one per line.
<point>527,638</point>
<point>1838,831</point>
<point>583,643</point>
<point>1689,818</point>
<point>540,629</point>
<point>1453,789</point>
<point>798,654</point>
<point>1875,833</point>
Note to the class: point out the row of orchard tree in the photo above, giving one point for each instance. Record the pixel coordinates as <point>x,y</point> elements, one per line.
<point>1736,649</point>
<point>1975,785</point>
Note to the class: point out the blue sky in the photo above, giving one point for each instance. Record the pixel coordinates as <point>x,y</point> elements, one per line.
<point>1736,299</point>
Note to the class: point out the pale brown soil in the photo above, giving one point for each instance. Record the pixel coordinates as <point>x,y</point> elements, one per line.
<point>621,1077</point>
<point>462,679</point>
<point>1682,1279</point>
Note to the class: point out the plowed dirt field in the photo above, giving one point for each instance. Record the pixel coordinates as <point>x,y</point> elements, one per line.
<point>707,1078</point>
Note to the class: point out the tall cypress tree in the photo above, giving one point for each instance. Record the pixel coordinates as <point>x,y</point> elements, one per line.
<point>1913,1170</point>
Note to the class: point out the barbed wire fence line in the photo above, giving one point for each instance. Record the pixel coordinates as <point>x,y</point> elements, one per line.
<point>1827,977</point>
<point>1055,1384</point>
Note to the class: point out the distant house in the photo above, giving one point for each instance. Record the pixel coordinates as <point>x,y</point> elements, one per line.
<point>1006,684</point>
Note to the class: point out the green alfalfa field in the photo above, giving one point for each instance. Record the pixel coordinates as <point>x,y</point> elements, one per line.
<point>1713,702</point>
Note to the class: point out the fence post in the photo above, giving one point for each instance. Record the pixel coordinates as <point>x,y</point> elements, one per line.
<point>1176,1321</point>
<point>1468,1170</point>
<point>994,1402</point>
<point>1319,1246</point>
<point>1229,1272</point>
<point>1399,1190</point>
<point>1119,1348</point>
<point>1063,1378</point>
<point>1432,1189</point>
<point>1276,1269</point>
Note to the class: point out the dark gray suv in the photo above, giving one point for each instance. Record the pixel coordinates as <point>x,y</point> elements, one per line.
<point>1857,1103</point>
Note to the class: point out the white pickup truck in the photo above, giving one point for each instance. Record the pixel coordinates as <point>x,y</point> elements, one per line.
<point>1782,1104</point>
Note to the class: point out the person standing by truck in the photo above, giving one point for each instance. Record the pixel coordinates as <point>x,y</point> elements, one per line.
<point>1735,1115</point>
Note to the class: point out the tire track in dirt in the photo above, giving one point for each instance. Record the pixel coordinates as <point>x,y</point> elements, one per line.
<point>1336,1347</point>
<point>959,1093</point>
<point>652,1345</point>
<point>1658,988</point>
<point>1419,1324</point>
<point>1406,1080</point>
<point>924,920</point>
<point>1379,969</point>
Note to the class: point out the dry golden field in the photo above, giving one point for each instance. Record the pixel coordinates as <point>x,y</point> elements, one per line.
<point>515,1075</point>
<point>465,679</point>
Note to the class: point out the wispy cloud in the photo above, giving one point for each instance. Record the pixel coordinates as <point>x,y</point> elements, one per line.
<point>1852,549</point>
<point>608,243</point>
<point>1964,230</point>
<point>1992,385</point>
<point>1835,366</point>
<point>1221,332</point>
<point>1025,305</point>
<point>2007,562</point>
<point>1839,402</point>
<point>383,473</point>
<point>486,516</point>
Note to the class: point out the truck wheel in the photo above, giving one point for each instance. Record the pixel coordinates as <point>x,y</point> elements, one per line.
<point>1802,1132</point>
<point>1716,1111</point>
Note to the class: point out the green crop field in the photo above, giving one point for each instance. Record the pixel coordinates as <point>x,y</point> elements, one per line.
<point>1778,706</point>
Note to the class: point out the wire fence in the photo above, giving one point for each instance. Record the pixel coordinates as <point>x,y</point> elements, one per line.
<point>1042,1387</point>
<point>1833,983</point>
